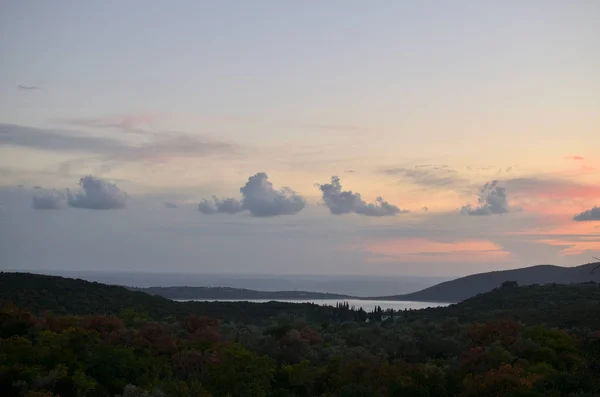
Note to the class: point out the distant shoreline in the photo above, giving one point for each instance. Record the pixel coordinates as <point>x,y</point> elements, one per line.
<point>239,294</point>
<point>366,304</point>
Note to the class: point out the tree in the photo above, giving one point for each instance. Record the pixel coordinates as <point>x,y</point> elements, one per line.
<point>509,284</point>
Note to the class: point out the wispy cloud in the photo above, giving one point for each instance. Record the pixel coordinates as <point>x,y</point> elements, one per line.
<point>574,158</point>
<point>135,122</point>
<point>56,140</point>
<point>430,176</point>
<point>168,145</point>
<point>28,87</point>
<point>577,247</point>
<point>332,127</point>
<point>551,188</point>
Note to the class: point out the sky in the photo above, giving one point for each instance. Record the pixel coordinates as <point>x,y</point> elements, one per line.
<point>280,137</point>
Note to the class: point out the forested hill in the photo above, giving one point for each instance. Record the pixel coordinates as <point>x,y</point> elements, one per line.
<point>555,305</point>
<point>558,305</point>
<point>227,293</point>
<point>38,293</point>
<point>466,287</point>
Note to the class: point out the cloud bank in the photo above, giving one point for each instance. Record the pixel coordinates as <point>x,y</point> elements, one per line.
<point>492,200</point>
<point>97,194</point>
<point>259,197</point>
<point>44,199</point>
<point>166,146</point>
<point>342,202</point>
<point>589,215</point>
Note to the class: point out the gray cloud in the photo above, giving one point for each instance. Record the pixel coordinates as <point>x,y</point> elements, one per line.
<point>45,139</point>
<point>345,202</point>
<point>379,208</point>
<point>170,204</point>
<point>425,209</point>
<point>171,144</point>
<point>428,175</point>
<point>259,197</point>
<point>492,200</point>
<point>589,215</point>
<point>222,206</point>
<point>97,194</point>
<point>44,199</point>
<point>28,87</point>
<point>434,166</point>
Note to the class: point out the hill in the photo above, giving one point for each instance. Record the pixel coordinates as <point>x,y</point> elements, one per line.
<point>557,305</point>
<point>38,293</point>
<point>466,287</point>
<point>227,293</point>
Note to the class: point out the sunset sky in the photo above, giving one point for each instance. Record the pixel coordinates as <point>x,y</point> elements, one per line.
<point>477,123</point>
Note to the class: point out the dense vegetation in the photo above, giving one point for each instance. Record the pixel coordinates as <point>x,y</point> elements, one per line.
<point>62,337</point>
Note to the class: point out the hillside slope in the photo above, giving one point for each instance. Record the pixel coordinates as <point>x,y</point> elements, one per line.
<point>466,287</point>
<point>38,293</point>
<point>555,305</point>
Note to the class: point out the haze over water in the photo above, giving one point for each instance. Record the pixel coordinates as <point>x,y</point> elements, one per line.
<point>363,286</point>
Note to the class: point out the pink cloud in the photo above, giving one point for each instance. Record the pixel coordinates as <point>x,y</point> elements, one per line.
<point>574,247</point>
<point>563,228</point>
<point>553,188</point>
<point>552,196</point>
<point>424,250</point>
<point>574,158</point>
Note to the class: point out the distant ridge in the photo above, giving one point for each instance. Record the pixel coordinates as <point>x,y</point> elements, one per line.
<point>465,287</point>
<point>228,293</point>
